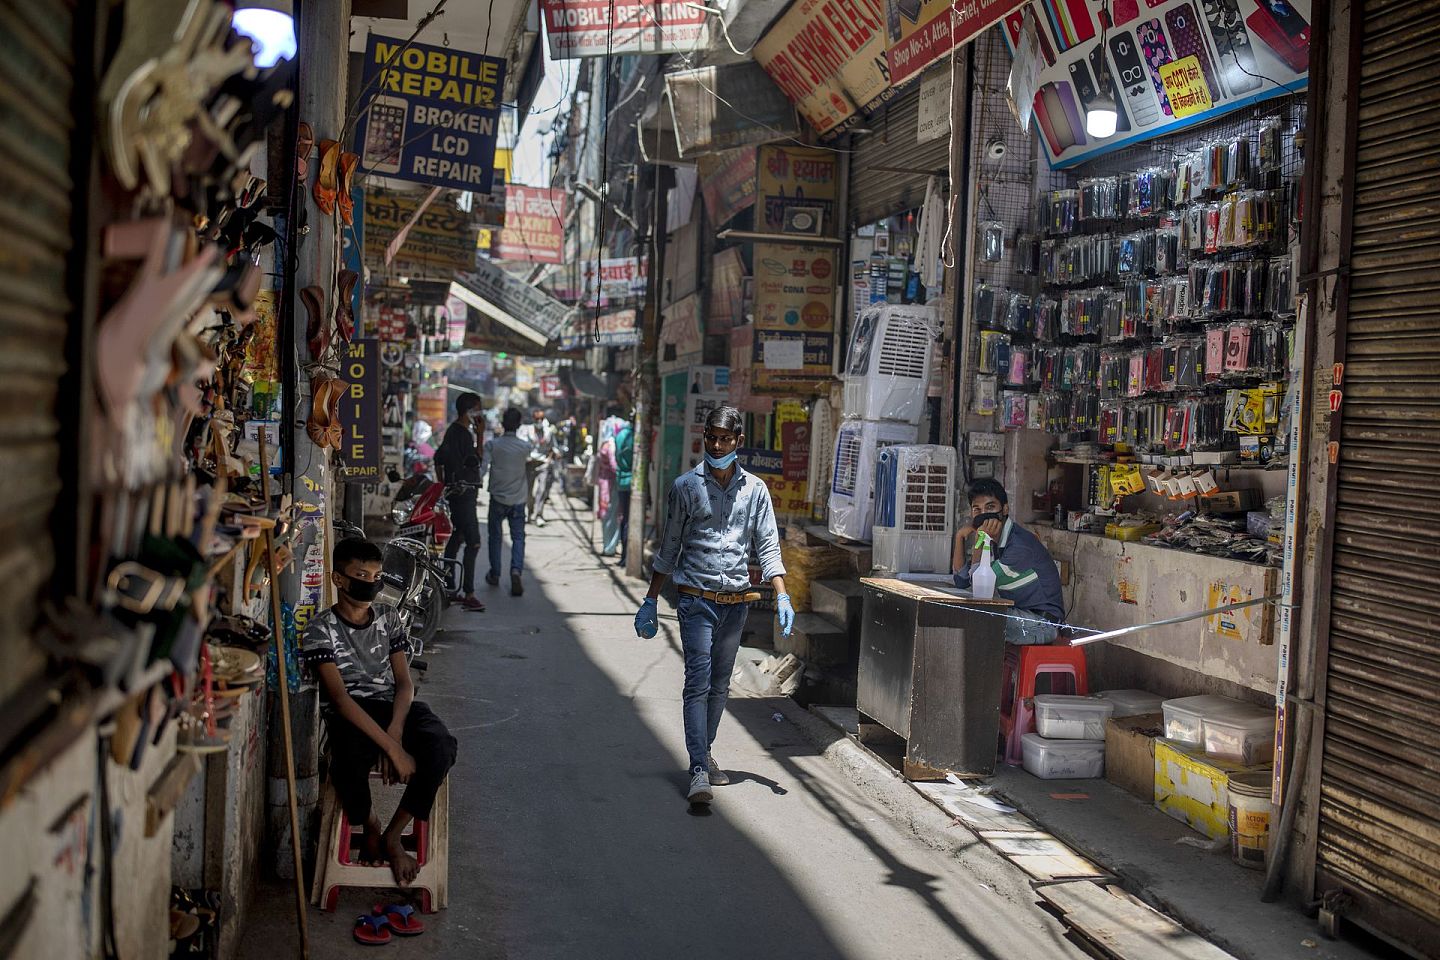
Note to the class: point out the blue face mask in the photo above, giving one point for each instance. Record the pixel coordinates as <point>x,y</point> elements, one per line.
<point>719,463</point>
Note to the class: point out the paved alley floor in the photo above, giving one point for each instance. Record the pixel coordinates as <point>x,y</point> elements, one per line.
<point>571,836</point>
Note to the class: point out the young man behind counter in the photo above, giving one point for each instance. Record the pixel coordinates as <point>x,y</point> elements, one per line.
<point>1025,572</point>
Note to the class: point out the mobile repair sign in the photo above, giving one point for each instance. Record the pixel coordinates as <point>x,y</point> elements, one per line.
<point>602,28</point>
<point>434,116</point>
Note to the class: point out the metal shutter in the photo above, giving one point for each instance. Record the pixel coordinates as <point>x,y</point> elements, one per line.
<point>889,166</point>
<point>36,127</point>
<point>1379,826</point>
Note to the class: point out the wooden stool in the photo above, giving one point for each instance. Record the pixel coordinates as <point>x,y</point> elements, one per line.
<point>1063,668</point>
<point>335,869</point>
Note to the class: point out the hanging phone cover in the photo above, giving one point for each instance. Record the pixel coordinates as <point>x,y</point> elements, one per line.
<point>1072,111</point>
<point>1130,77</point>
<point>1156,53</point>
<point>1291,51</point>
<point>1042,118</point>
<point>1188,41</point>
<point>1232,41</point>
<point>1070,21</point>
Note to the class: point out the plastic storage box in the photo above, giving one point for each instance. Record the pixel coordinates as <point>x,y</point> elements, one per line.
<point>1242,734</point>
<point>1185,717</point>
<point>1063,759</point>
<point>1132,703</point>
<point>1059,717</point>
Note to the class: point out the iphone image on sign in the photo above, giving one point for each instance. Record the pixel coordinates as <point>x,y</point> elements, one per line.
<point>1130,77</point>
<point>1232,43</point>
<point>1156,53</point>
<point>1188,41</point>
<point>385,135</point>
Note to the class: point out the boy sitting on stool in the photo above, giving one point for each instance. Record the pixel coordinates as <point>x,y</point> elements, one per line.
<point>357,652</point>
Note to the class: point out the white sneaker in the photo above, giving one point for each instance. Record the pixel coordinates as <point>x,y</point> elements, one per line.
<point>540,521</point>
<point>700,788</point>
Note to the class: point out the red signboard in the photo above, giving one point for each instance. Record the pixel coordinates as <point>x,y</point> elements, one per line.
<point>727,182</point>
<point>534,225</point>
<point>392,323</point>
<point>919,34</point>
<point>550,387</point>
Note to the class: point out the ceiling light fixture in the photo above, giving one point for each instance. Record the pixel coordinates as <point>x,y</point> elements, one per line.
<point>1102,115</point>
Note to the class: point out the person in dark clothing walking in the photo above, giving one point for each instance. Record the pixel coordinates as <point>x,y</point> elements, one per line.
<point>458,464</point>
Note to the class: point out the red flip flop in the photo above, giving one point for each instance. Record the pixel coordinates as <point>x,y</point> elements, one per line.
<point>372,930</point>
<point>402,919</point>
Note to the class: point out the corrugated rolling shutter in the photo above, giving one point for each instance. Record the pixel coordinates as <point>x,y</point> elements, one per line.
<point>36,127</point>
<point>1379,827</point>
<point>889,166</point>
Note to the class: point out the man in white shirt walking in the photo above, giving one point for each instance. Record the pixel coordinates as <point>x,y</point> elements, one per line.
<point>505,459</point>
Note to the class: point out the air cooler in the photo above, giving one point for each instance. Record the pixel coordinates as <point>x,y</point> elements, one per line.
<point>852,480</point>
<point>889,362</point>
<point>914,509</point>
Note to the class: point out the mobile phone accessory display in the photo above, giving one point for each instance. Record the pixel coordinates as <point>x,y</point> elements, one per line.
<point>1156,53</point>
<point>1130,77</point>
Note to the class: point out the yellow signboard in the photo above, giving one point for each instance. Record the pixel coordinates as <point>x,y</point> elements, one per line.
<point>1185,87</point>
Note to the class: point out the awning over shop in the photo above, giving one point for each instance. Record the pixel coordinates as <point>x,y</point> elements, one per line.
<point>588,384</point>
<point>527,310</point>
<point>705,120</point>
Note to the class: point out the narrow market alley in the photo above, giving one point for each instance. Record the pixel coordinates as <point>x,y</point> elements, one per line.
<point>571,838</point>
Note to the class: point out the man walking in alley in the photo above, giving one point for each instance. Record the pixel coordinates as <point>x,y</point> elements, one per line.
<point>505,459</point>
<point>458,464</point>
<point>717,512</point>
<point>546,462</point>
<point>624,481</point>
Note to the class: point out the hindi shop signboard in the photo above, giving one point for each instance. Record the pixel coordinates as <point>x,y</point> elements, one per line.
<point>828,56</point>
<point>797,177</point>
<point>1173,65</point>
<point>583,28</point>
<point>534,225</point>
<point>727,182</point>
<point>919,32</point>
<point>362,450</point>
<point>441,242</point>
<point>435,114</point>
<point>616,329</point>
<point>488,288</point>
<point>620,277</point>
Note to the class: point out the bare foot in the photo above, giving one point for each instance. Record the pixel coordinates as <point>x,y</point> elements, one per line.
<point>372,846</point>
<point>402,864</point>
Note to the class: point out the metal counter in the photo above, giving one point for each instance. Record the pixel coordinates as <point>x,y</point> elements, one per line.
<point>930,671</point>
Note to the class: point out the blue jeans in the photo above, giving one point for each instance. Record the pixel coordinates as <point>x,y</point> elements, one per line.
<point>710,637</point>
<point>515,513</point>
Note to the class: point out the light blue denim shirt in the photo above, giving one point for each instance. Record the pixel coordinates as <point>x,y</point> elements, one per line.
<point>709,530</point>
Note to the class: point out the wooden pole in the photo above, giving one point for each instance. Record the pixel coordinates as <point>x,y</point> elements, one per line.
<point>283,677</point>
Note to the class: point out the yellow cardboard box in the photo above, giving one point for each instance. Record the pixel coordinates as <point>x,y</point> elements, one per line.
<point>1194,788</point>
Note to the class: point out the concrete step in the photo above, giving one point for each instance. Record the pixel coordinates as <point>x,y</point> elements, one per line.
<point>815,639</point>
<point>840,600</point>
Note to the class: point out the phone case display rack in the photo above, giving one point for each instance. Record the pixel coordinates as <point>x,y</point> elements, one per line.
<point>1165,317</point>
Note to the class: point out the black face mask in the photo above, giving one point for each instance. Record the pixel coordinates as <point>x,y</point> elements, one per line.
<point>361,591</point>
<point>984,517</point>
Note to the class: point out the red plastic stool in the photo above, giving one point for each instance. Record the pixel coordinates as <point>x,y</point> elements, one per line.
<point>1030,670</point>
<point>334,867</point>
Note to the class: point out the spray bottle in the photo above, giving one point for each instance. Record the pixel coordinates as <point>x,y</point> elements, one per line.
<point>982,580</point>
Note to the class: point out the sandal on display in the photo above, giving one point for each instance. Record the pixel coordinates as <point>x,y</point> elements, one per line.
<point>323,426</point>
<point>345,282</point>
<point>317,325</point>
<point>346,199</point>
<point>326,184</point>
<point>304,144</point>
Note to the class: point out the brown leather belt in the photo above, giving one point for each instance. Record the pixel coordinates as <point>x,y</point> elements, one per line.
<point>748,596</point>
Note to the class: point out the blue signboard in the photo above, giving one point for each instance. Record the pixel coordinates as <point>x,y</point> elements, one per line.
<point>433,115</point>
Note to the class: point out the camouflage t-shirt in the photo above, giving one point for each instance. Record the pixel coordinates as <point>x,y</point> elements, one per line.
<point>360,653</point>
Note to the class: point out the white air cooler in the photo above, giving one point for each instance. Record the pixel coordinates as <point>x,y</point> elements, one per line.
<point>914,509</point>
<point>852,480</point>
<point>889,363</point>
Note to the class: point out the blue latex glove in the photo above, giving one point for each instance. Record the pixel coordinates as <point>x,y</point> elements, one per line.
<point>786,612</point>
<point>647,619</point>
